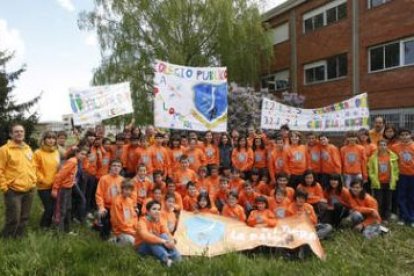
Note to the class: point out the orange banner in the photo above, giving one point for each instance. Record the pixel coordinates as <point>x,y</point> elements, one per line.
<point>212,235</point>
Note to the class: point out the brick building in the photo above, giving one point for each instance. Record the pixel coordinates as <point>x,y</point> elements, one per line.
<point>330,50</point>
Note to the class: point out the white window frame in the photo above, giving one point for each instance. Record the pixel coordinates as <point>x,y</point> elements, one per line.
<point>321,10</point>
<point>323,63</point>
<point>383,2</point>
<point>402,54</point>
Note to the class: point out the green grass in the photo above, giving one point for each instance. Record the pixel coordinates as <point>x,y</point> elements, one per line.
<point>46,253</point>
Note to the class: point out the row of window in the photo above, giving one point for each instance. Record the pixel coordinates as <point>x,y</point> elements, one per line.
<point>382,57</point>
<point>332,12</point>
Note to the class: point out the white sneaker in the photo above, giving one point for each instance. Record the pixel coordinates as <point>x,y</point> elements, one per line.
<point>393,217</point>
<point>169,263</point>
<point>90,216</point>
<point>400,222</point>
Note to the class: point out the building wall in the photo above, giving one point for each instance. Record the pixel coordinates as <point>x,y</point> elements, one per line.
<point>389,89</point>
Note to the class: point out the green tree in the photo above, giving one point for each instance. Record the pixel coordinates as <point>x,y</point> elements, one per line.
<point>10,111</point>
<point>133,33</point>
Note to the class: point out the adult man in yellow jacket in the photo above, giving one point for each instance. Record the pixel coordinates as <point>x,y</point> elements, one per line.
<point>17,182</point>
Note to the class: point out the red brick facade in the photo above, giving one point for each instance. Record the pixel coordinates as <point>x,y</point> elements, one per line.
<point>391,21</point>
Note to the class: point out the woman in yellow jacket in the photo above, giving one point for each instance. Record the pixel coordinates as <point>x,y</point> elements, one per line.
<point>47,160</point>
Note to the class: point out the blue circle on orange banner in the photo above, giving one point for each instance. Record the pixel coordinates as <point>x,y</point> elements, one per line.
<point>204,231</point>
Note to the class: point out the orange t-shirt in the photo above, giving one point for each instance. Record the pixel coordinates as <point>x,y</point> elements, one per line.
<point>190,202</point>
<point>279,209</point>
<point>124,219</point>
<point>170,219</point>
<point>384,168</point>
<point>131,158</point>
<point>236,184</point>
<point>314,157</point>
<point>405,157</point>
<point>118,152</point>
<point>196,158</point>
<point>202,184</point>
<point>108,188</point>
<point>262,217</point>
<point>212,154</point>
<point>236,212</point>
<point>247,199</point>
<point>142,189</point>
<point>276,164</point>
<point>295,159</point>
<point>104,168</point>
<point>175,155</point>
<point>369,149</point>
<point>242,159</point>
<point>160,158</point>
<point>144,157</point>
<point>330,160</point>
<point>262,188</point>
<point>343,197</point>
<point>181,178</point>
<point>354,160</point>
<point>315,193</point>
<point>290,193</point>
<point>260,159</point>
<point>307,209</point>
<point>149,231</point>
<point>213,183</point>
<point>366,206</point>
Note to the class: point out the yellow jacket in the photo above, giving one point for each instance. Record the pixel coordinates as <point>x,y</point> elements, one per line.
<point>47,162</point>
<point>17,169</point>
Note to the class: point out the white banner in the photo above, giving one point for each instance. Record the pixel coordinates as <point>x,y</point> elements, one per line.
<point>190,98</point>
<point>352,114</point>
<point>94,104</point>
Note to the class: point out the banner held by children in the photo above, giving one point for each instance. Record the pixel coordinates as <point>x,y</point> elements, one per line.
<point>190,98</point>
<point>94,104</point>
<point>352,114</point>
<point>212,235</point>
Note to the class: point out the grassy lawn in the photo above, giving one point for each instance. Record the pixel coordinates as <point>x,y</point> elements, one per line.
<point>46,253</point>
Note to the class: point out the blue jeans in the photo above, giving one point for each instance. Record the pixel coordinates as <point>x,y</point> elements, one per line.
<point>159,251</point>
<point>406,197</point>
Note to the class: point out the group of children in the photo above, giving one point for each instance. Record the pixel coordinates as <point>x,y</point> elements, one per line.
<point>138,185</point>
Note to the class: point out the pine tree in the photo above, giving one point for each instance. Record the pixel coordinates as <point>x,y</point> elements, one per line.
<point>10,111</point>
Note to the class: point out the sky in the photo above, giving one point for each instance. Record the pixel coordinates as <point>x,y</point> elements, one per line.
<point>45,37</point>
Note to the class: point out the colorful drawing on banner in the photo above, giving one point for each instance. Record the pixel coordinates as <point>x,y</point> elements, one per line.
<point>351,114</point>
<point>212,235</point>
<point>190,98</point>
<point>94,104</point>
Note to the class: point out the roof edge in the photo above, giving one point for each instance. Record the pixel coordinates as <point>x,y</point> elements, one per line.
<point>284,7</point>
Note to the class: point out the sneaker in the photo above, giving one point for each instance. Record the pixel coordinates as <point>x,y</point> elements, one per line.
<point>400,222</point>
<point>71,233</point>
<point>393,217</point>
<point>412,224</point>
<point>90,216</point>
<point>169,262</point>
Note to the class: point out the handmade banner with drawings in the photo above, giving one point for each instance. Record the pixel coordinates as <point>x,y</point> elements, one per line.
<point>190,98</point>
<point>212,235</point>
<point>93,104</point>
<point>352,114</point>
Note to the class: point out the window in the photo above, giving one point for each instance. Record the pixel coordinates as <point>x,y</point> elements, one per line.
<point>329,69</point>
<point>280,33</point>
<point>277,81</point>
<point>391,55</point>
<point>376,3</point>
<point>325,15</point>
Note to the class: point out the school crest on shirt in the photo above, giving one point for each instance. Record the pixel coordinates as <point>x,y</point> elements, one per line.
<point>127,213</point>
<point>383,167</point>
<point>257,157</point>
<point>105,161</point>
<point>177,156</point>
<point>114,190</point>
<point>145,159</point>
<point>159,157</point>
<point>298,156</point>
<point>191,159</point>
<point>242,157</point>
<point>280,212</point>
<point>351,157</point>
<point>315,156</point>
<point>406,156</point>
<point>209,152</point>
<point>324,155</point>
<point>279,163</point>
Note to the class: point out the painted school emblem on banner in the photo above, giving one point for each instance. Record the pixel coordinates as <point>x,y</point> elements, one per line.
<point>211,235</point>
<point>190,98</point>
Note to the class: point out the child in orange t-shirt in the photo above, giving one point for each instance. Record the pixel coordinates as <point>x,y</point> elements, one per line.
<point>190,199</point>
<point>276,160</point>
<point>236,182</point>
<point>233,210</point>
<point>261,216</point>
<point>183,175</point>
<point>202,183</point>
<point>195,155</point>
<point>213,180</point>
<point>176,151</point>
<point>354,159</point>
<point>131,156</point>
<point>204,205</point>
<point>211,151</point>
<point>156,195</point>
<point>168,214</point>
<point>295,159</point>
<point>330,160</point>
<point>124,218</point>
<point>260,155</point>
<point>282,182</point>
<point>221,195</point>
<point>247,197</point>
<point>160,156</point>
<point>338,199</point>
<point>142,184</point>
<point>143,155</point>
<point>364,211</point>
<point>109,187</point>
<point>242,157</point>
<point>259,186</point>
<point>279,204</point>
<point>315,194</point>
